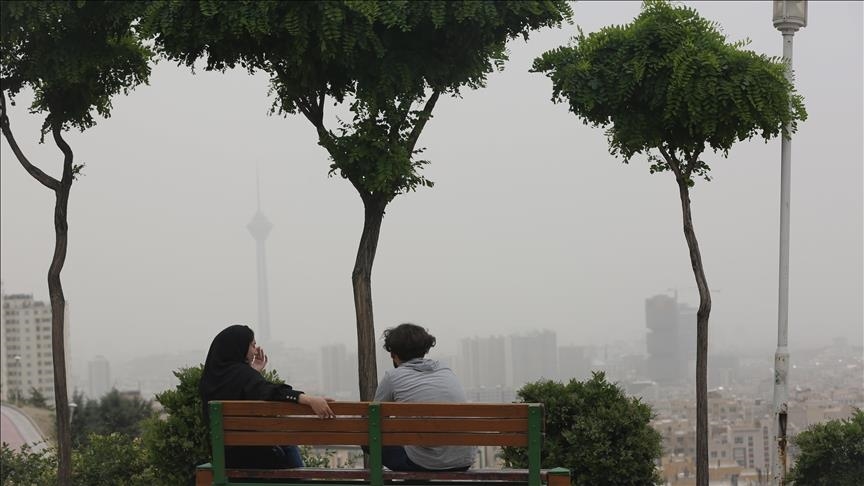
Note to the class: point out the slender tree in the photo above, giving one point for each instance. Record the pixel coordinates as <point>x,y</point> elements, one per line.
<point>389,61</point>
<point>74,56</point>
<point>669,86</point>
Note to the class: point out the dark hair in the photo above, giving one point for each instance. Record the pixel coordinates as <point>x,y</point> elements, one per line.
<point>408,341</point>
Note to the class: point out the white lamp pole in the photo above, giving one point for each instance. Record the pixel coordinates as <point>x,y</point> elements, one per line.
<point>789,16</point>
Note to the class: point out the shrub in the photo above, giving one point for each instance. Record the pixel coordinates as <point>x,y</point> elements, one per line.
<point>178,441</point>
<point>595,430</point>
<point>26,467</point>
<point>831,453</point>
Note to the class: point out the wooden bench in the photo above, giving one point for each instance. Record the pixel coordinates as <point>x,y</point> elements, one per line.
<point>250,423</point>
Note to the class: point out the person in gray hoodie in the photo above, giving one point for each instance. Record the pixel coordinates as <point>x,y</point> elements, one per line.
<point>418,379</point>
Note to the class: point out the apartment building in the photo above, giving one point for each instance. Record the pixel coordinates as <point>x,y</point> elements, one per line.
<point>27,355</point>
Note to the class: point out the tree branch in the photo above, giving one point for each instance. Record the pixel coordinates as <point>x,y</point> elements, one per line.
<point>68,173</point>
<point>314,112</point>
<point>43,178</point>
<point>674,165</point>
<point>422,119</point>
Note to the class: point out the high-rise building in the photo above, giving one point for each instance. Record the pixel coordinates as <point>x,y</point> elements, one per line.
<point>687,332</point>
<point>666,363</point>
<point>27,346</point>
<point>482,362</point>
<point>98,377</point>
<point>532,357</point>
<point>260,228</point>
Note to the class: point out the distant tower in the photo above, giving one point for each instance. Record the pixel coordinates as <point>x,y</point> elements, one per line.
<point>260,228</point>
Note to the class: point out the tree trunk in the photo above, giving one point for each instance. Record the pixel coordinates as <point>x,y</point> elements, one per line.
<point>701,336</point>
<point>361,280</point>
<point>58,314</point>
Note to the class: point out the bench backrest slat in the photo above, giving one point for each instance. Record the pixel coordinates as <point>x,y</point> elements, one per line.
<point>451,438</point>
<point>450,424</point>
<point>268,409</point>
<point>487,410</point>
<point>252,438</point>
<point>296,424</point>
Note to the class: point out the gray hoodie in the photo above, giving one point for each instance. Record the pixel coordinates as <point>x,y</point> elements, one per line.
<point>425,380</point>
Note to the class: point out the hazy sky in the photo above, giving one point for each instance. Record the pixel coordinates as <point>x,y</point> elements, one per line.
<point>531,223</point>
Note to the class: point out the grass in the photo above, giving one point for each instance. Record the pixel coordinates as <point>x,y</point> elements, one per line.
<point>44,419</point>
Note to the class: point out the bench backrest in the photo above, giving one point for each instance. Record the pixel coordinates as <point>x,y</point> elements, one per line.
<point>248,423</point>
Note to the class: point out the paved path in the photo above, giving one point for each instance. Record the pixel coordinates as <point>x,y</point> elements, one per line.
<point>16,429</point>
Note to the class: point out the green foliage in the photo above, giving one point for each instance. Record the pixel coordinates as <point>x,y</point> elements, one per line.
<point>831,453</point>
<point>108,460</point>
<point>37,399</point>
<point>74,55</point>
<point>25,467</point>
<point>178,441</point>
<point>595,430</point>
<point>384,56</point>
<point>112,413</point>
<point>670,82</point>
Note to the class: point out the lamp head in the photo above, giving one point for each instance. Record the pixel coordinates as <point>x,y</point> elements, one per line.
<point>790,15</point>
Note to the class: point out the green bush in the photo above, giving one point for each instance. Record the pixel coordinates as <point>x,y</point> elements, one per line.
<point>105,460</point>
<point>595,430</point>
<point>112,413</point>
<point>27,468</point>
<point>831,454</point>
<point>112,459</point>
<point>178,441</point>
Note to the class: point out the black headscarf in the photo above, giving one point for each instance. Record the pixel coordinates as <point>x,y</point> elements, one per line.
<point>227,354</point>
<point>228,376</point>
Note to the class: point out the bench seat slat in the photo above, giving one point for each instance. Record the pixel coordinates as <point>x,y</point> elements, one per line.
<point>436,424</point>
<point>322,473</point>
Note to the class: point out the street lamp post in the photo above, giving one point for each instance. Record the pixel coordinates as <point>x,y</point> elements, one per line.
<point>789,16</point>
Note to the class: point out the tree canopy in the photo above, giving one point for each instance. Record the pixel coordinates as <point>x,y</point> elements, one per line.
<point>670,81</point>
<point>381,56</point>
<point>831,453</point>
<point>74,56</point>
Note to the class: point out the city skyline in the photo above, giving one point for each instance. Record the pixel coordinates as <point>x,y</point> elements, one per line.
<point>531,224</point>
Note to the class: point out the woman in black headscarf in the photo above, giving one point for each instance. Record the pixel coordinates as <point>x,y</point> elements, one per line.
<point>233,372</point>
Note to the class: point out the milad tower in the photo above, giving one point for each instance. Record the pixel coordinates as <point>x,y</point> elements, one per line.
<point>260,228</point>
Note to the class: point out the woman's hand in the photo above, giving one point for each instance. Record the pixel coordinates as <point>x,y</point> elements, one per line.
<point>259,360</point>
<point>318,405</point>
